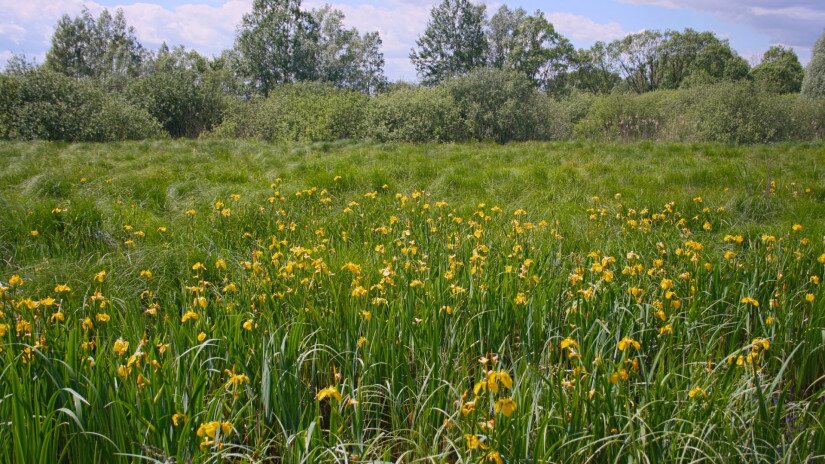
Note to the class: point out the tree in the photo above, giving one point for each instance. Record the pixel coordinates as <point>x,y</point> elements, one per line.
<point>501,29</point>
<point>277,44</point>
<point>98,48</point>
<point>594,71</point>
<point>780,71</point>
<point>344,57</point>
<point>637,58</point>
<point>813,86</point>
<point>541,53</point>
<point>652,60</point>
<point>715,63</point>
<point>454,42</point>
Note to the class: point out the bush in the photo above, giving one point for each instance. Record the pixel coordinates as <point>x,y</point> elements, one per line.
<point>732,112</point>
<point>497,104</point>
<point>307,112</point>
<point>46,105</point>
<point>180,100</point>
<point>415,114</point>
<point>627,117</point>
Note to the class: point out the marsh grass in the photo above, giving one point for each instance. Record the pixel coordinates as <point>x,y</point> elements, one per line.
<point>492,291</point>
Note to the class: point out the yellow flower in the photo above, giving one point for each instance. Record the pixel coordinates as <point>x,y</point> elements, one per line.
<point>102,317</point>
<point>189,316</point>
<point>628,342</point>
<point>220,264</point>
<point>697,391</point>
<point>810,297</point>
<point>100,276</point>
<point>236,380</point>
<point>797,227</point>
<point>87,324</point>
<point>4,328</point>
<point>16,280</point>
<point>201,337</point>
<point>198,267</point>
<point>62,288</point>
<point>473,442</point>
<point>668,329</point>
<point>146,274</point>
<point>362,341</point>
<point>359,291</point>
<point>329,392</point>
<point>520,299</point>
<point>750,301</point>
<point>210,429</point>
<point>178,418</point>
<point>121,346</point>
<point>58,316</point>
<point>494,456</point>
<point>124,371</point>
<point>249,325</point>
<point>505,406</point>
<point>34,233</point>
<point>569,342</point>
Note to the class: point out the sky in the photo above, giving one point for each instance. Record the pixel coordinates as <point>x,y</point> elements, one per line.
<point>208,26</point>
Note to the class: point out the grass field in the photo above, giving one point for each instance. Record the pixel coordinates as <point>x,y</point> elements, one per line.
<point>207,301</point>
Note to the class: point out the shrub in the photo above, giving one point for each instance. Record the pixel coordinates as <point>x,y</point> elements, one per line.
<point>46,105</point>
<point>415,114</point>
<point>627,117</point>
<point>180,100</point>
<point>497,104</point>
<point>732,112</point>
<point>307,112</point>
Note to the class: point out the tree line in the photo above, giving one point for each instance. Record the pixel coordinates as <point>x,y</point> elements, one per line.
<point>287,55</point>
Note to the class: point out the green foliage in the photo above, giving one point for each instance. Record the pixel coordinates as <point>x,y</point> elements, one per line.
<point>813,85</point>
<point>780,71</point>
<point>276,41</point>
<point>279,43</point>
<point>594,71</point>
<point>50,106</point>
<point>345,58</point>
<point>415,114</point>
<point>305,112</point>
<point>96,48</point>
<point>530,44</point>
<point>454,42</point>
<point>653,60</point>
<point>182,93</point>
<point>627,117</point>
<point>732,113</point>
<point>496,104</point>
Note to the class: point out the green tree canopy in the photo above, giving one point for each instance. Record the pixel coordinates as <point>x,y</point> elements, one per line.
<point>813,85</point>
<point>454,42</point>
<point>98,48</point>
<point>277,42</point>
<point>345,58</point>
<point>780,71</point>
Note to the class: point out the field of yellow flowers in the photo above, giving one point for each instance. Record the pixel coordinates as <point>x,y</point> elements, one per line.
<point>206,301</point>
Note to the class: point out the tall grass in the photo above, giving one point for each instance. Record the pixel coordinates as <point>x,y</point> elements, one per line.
<point>393,303</point>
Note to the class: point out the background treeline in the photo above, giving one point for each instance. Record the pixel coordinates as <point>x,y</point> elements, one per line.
<point>301,75</point>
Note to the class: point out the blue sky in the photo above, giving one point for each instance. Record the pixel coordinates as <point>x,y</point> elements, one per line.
<point>209,25</point>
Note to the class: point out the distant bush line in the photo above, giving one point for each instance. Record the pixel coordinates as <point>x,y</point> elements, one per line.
<point>485,105</point>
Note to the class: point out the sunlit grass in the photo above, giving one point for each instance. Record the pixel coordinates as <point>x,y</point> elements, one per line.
<point>207,301</point>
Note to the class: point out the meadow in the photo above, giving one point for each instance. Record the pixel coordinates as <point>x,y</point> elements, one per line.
<point>237,301</point>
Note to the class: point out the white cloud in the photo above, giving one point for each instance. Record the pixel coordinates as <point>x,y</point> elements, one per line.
<point>585,29</point>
